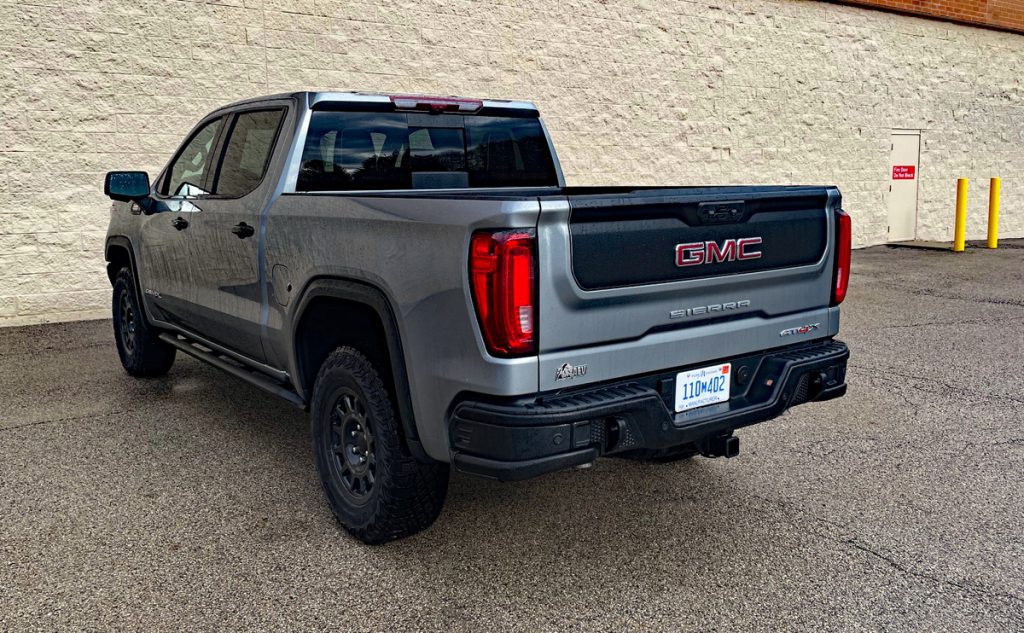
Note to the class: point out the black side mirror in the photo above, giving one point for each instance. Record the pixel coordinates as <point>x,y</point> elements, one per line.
<point>126,186</point>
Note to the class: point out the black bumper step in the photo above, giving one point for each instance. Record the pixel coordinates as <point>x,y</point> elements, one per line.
<point>490,437</point>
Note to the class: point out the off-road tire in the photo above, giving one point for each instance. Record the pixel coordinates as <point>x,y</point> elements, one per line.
<point>661,455</point>
<point>139,347</point>
<point>352,420</point>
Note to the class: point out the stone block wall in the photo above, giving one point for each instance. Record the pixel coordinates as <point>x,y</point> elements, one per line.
<point>635,92</point>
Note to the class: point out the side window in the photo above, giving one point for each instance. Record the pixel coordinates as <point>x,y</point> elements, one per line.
<point>188,172</point>
<point>247,152</point>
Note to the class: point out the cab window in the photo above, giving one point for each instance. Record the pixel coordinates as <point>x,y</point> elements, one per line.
<point>247,152</point>
<point>187,175</point>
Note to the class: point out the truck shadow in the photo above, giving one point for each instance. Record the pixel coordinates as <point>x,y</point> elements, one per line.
<point>631,538</point>
<point>612,498</point>
<point>621,526</point>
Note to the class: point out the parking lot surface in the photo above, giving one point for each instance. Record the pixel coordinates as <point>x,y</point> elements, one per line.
<point>190,502</point>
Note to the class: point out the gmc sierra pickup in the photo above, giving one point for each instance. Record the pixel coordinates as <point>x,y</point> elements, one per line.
<point>414,272</point>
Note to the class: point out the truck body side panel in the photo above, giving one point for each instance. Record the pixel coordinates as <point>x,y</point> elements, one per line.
<point>415,250</point>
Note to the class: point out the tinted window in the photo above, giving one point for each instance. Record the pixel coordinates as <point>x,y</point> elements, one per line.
<point>247,152</point>
<point>188,172</point>
<point>507,152</point>
<point>354,151</point>
<point>362,151</point>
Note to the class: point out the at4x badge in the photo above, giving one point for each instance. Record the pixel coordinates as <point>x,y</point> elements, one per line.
<point>803,329</point>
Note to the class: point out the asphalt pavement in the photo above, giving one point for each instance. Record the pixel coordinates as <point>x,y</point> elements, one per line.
<point>190,502</point>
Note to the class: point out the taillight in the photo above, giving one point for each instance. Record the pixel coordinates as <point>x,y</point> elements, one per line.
<point>502,277</point>
<point>436,104</point>
<point>843,239</point>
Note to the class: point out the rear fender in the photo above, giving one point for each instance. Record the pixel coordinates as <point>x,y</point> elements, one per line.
<point>374,298</point>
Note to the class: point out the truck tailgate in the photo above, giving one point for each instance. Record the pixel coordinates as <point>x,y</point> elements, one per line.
<point>641,281</point>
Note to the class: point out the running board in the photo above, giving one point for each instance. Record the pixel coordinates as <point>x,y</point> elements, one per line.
<point>220,362</point>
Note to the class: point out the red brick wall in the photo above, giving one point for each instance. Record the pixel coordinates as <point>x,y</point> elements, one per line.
<point>999,14</point>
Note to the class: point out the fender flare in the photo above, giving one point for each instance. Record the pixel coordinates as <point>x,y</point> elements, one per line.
<point>376,299</point>
<point>121,241</point>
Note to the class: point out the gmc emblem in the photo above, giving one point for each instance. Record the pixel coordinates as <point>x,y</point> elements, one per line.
<point>731,250</point>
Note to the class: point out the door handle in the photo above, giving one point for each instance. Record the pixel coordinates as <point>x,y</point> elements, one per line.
<point>179,223</point>
<point>242,230</point>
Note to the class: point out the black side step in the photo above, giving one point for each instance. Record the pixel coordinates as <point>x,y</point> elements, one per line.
<point>220,362</point>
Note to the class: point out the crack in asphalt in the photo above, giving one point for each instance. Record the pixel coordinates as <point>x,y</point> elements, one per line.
<point>49,348</point>
<point>801,520</point>
<point>947,385</point>
<point>962,585</point>
<point>941,323</point>
<point>897,392</point>
<point>928,292</point>
<point>4,429</point>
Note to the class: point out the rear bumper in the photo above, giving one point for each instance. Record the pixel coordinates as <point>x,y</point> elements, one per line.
<point>512,439</point>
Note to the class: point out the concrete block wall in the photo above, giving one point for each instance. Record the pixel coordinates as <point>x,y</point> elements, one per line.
<point>635,92</point>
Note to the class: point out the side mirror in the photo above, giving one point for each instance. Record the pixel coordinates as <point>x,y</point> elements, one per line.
<point>126,186</point>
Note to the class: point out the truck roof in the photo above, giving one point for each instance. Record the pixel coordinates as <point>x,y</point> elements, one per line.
<point>312,98</point>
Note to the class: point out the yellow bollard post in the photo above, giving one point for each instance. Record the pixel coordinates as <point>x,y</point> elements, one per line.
<point>960,230</point>
<point>993,213</point>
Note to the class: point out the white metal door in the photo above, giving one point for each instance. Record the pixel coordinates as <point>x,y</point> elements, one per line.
<point>906,152</point>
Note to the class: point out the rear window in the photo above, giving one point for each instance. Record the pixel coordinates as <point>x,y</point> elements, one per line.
<point>391,150</point>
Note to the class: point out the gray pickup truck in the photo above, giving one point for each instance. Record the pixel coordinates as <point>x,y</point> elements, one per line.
<point>414,272</point>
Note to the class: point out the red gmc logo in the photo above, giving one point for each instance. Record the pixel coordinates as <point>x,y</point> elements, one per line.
<point>733,249</point>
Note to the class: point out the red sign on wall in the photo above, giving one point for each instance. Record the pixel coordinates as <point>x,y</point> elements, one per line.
<point>903,172</point>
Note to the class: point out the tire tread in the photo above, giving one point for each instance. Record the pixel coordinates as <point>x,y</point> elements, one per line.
<point>409,493</point>
<point>152,357</point>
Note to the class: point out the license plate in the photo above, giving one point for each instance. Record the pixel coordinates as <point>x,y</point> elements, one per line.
<point>701,387</point>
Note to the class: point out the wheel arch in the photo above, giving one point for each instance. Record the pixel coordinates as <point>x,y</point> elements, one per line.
<point>333,312</point>
<point>119,253</point>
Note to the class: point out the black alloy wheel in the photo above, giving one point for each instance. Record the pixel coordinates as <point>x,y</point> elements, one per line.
<point>353,444</point>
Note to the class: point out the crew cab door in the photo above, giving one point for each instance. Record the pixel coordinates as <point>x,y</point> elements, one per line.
<point>165,253</point>
<point>226,269</point>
